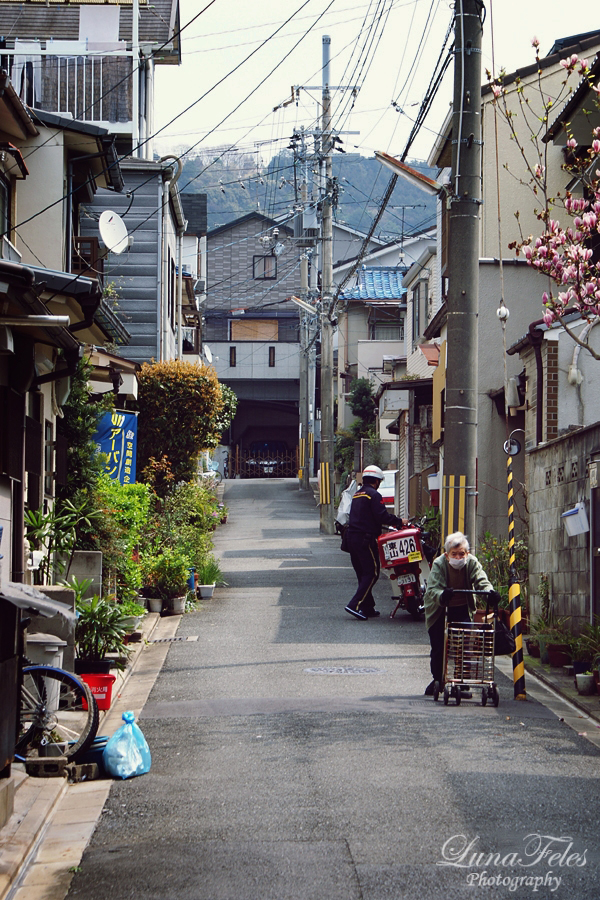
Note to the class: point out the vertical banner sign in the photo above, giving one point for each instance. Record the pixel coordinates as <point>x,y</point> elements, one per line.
<point>117,437</point>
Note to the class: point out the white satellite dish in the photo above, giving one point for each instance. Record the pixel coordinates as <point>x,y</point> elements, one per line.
<point>207,353</point>
<point>113,231</point>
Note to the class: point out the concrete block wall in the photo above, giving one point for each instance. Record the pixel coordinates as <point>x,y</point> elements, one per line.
<point>558,480</point>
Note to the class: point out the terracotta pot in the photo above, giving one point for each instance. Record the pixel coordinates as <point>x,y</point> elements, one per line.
<point>533,649</point>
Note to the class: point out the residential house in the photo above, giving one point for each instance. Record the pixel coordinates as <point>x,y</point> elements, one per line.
<point>93,62</point>
<point>252,327</point>
<point>562,419</point>
<point>46,312</point>
<point>144,281</point>
<point>511,282</point>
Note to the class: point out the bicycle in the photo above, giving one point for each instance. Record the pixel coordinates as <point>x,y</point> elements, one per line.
<point>58,712</point>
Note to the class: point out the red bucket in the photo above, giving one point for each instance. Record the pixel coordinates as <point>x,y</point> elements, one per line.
<point>101,688</point>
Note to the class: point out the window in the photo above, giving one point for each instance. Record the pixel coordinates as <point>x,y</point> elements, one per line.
<point>271,357</point>
<point>386,324</point>
<point>232,357</point>
<point>254,329</point>
<point>419,310</point>
<point>48,458</point>
<point>264,267</point>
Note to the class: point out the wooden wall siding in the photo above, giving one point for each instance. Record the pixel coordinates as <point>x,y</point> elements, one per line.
<point>135,274</point>
<point>558,479</point>
<point>93,88</point>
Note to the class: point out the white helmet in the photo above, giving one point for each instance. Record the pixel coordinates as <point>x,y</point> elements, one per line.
<point>373,472</point>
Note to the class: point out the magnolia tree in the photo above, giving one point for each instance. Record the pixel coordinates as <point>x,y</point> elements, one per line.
<point>569,224</point>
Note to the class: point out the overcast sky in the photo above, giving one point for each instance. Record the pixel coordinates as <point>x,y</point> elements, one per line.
<point>401,41</point>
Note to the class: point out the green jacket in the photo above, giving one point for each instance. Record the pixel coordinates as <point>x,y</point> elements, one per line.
<point>477,580</point>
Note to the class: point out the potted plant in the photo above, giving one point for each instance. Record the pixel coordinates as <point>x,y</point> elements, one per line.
<point>585,683</point>
<point>167,574</point>
<point>559,643</point>
<point>209,574</point>
<point>134,613</point>
<point>100,630</point>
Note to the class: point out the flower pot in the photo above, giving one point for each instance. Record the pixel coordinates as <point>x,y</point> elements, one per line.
<point>580,666</point>
<point>558,655</point>
<point>206,590</point>
<point>543,643</point>
<point>533,648</point>
<point>155,604</point>
<point>585,684</point>
<point>177,605</point>
<point>92,666</point>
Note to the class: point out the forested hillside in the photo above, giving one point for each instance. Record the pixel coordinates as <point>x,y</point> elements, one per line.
<point>235,185</point>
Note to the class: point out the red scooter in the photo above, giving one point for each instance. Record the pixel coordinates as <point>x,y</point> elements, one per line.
<point>404,551</point>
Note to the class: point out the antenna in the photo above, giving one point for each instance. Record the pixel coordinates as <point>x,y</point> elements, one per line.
<point>113,232</point>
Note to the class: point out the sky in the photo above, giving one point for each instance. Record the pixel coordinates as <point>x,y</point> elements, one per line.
<point>388,48</point>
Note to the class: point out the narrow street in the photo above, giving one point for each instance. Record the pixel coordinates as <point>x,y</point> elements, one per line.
<point>296,758</point>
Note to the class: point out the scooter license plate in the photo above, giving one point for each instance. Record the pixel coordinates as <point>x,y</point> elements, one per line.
<point>401,548</point>
<point>405,579</point>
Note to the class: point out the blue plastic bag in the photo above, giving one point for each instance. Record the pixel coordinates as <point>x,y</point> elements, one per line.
<point>127,753</point>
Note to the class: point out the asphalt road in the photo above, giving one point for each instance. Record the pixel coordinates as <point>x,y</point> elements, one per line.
<point>296,758</point>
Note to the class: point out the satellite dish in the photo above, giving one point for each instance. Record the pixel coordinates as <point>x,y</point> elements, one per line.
<point>207,353</point>
<point>113,231</point>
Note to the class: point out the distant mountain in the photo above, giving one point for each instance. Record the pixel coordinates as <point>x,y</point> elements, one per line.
<point>236,187</point>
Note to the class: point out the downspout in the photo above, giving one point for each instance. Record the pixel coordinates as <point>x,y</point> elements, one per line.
<point>168,183</point>
<point>180,233</point>
<point>135,80</point>
<point>536,339</point>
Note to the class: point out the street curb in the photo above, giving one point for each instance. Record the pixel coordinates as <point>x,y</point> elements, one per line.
<point>36,799</point>
<point>553,686</point>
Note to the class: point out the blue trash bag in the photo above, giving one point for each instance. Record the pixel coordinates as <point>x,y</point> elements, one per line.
<point>127,753</point>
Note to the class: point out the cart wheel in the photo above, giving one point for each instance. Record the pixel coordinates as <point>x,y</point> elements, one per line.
<point>457,694</point>
<point>495,695</point>
<point>483,696</point>
<point>446,695</point>
<point>436,690</point>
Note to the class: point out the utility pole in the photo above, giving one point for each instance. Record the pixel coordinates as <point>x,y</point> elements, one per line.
<point>459,489</point>
<point>327,434</point>
<point>304,353</point>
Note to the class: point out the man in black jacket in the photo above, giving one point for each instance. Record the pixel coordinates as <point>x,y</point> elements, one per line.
<point>367,516</point>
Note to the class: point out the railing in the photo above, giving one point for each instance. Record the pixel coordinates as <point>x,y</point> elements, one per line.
<point>89,86</point>
<point>264,465</point>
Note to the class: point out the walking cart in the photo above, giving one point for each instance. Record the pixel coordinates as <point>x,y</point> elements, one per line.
<point>469,659</point>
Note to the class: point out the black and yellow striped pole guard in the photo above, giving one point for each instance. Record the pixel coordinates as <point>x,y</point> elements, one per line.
<point>301,456</point>
<point>454,497</point>
<point>311,444</point>
<point>324,484</point>
<point>514,589</point>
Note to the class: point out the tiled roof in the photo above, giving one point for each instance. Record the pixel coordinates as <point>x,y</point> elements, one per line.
<point>378,283</point>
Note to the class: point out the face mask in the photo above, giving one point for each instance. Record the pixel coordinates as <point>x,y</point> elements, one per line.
<point>457,563</point>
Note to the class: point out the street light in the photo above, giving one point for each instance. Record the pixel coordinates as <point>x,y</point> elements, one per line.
<point>305,306</point>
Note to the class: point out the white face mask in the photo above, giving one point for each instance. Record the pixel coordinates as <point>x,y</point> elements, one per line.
<point>457,563</point>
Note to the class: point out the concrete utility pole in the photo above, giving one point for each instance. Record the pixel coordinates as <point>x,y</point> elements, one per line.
<point>304,353</point>
<point>327,435</point>
<point>460,425</point>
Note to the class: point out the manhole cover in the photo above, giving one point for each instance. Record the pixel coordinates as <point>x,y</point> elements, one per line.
<point>344,670</point>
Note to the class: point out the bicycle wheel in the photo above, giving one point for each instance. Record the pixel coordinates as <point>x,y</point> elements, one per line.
<point>56,709</point>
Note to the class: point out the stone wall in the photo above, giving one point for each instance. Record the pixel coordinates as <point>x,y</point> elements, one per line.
<point>558,479</point>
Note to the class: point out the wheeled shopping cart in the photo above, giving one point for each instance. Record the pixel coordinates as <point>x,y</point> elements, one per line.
<point>469,660</point>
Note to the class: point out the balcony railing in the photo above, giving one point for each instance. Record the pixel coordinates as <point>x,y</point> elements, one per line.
<point>89,86</point>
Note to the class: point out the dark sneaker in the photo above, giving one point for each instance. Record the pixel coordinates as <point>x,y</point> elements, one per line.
<point>429,689</point>
<point>356,613</point>
<point>373,615</point>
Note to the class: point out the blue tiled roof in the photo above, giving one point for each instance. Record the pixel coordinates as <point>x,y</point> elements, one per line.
<point>378,283</point>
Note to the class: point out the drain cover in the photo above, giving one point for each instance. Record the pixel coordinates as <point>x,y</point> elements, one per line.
<point>344,670</point>
<point>191,637</point>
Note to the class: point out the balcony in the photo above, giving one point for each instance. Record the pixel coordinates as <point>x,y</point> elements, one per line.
<point>89,86</point>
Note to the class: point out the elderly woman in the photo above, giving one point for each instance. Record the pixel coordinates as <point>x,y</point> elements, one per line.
<point>453,575</point>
